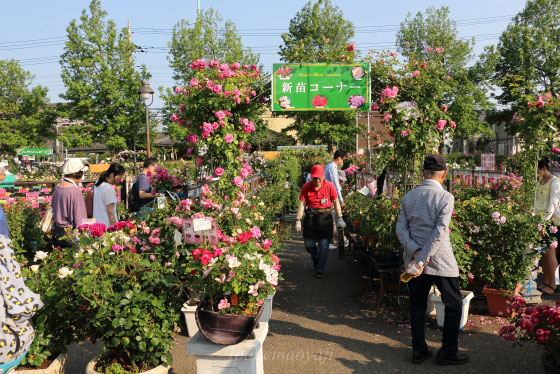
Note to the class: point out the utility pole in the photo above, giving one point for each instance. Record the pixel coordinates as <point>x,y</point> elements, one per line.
<point>198,8</point>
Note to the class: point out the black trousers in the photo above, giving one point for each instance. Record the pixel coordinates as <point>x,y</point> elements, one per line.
<point>418,289</point>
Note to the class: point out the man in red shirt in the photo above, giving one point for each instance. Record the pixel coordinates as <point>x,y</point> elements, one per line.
<point>316,200</point>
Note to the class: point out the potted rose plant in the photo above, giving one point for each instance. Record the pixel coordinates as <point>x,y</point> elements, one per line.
<point>537,324</point>
<point>504,240</point>
<point>129,299</point>
<point>234,278</point>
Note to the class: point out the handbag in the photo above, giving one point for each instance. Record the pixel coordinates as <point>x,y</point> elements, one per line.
<point>47,222</point>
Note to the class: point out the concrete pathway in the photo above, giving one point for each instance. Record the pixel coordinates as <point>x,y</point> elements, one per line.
<point>327,326</point>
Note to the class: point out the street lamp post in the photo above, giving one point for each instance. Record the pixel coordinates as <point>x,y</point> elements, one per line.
<point>147,94</point>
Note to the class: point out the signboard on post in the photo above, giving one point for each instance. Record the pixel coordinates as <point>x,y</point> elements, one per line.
<point>488,161</point>
<point>320,87</point>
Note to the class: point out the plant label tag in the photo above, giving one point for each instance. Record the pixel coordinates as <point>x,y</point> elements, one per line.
<point>201,224</point>
<point>160,202</point>
<point>205,230</point>
<point>287,185</point>
<point>178,237</point>
<point>234,300</point>
<point>365,191</point>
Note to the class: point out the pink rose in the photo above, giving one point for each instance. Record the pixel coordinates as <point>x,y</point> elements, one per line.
<point>415,73</point>
<point>441,124</point>
<point>199,161</point>
<point>244,173</point>
<point>219,172</point>
<point>452,124</point>
<point>238,181</point>
<point>228,138</point>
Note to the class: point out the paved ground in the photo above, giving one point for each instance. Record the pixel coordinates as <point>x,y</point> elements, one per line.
<point>333,325</point>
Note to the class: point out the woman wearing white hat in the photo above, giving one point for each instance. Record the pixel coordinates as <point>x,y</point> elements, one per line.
<point>68,204</point>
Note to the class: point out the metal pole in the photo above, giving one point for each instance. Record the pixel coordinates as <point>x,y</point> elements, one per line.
<point>357,132</point>
<point>148,131</point>
<point>368,164</point>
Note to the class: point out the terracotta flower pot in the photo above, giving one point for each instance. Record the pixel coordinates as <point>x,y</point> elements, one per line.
<point>225,329</point>
<point>497,300</point>
<point>56,367</point>
<point>161,369</point>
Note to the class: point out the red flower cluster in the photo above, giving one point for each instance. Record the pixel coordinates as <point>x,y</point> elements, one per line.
<point>245,237</point>
<point>96,230</point>
<point>540,324</point>
<point>120,225</point>
<point>204,255</point>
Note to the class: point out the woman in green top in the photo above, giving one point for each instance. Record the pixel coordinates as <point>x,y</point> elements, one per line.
<point>546,203</point>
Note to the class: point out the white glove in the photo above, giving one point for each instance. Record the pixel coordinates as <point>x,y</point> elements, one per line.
<point>341,224</point>
<point>298,226</point>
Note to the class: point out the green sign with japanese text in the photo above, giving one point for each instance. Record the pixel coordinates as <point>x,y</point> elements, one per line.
<point>35,152</point>
<point>320,87</point>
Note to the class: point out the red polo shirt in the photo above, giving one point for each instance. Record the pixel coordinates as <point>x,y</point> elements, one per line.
<point>313,198</point>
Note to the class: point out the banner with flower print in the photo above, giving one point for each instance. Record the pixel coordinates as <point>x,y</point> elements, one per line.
<point>320,86</point>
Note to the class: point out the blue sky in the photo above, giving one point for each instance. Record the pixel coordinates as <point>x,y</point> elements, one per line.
<point>34,31</point>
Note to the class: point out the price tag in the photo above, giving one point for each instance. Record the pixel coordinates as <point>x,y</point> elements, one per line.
<point>201,224</point>
<point>178,237</point>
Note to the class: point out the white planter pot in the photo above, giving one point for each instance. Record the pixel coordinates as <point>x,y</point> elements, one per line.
<point>56,367</point>
<point>267,311</point>
<point>190,320</point>
<point>161,369</point>
<point>440,308</point>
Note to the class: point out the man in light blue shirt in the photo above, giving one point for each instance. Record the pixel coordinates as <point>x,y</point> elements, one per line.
<point>331,173</point>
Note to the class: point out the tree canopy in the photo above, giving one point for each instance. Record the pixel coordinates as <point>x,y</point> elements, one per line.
<point>432,31</point>
<point>25,118</point>
<point>101,83</point>
<point>207,38</point>
<point>529,51</point>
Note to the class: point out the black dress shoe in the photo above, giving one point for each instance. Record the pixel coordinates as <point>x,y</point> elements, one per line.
<point>456,359</point>
<point>419,357</point>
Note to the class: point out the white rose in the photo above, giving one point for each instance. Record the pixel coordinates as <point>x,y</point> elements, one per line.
<point>40,255</point>
<point>64,272</point>
<point>34,268</point>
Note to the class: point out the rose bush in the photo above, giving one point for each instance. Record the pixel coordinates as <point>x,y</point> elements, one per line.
<point>538,324</point>
<point>504,239</point>
<point>218,112</point>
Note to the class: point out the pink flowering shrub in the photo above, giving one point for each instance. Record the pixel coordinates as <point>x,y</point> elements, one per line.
<point>538,324</point>
<point>219,112</point>
<point>410,96</point>
<point>503,238</point>
<point>162,180</point>
<point>236,275</point>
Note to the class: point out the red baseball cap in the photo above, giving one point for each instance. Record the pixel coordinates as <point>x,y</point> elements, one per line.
<point>317,171</point>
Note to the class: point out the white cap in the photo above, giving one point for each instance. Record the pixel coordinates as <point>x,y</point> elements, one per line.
<point>73,165</point>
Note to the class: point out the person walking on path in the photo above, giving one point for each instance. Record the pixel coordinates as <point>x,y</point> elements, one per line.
<point>423,230</point>
<point>546,203</point>
<point>68,204</point>
<point>104,196</point>
<point>142,192</point>
<point>316,201</point>
<point>332,175</point>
